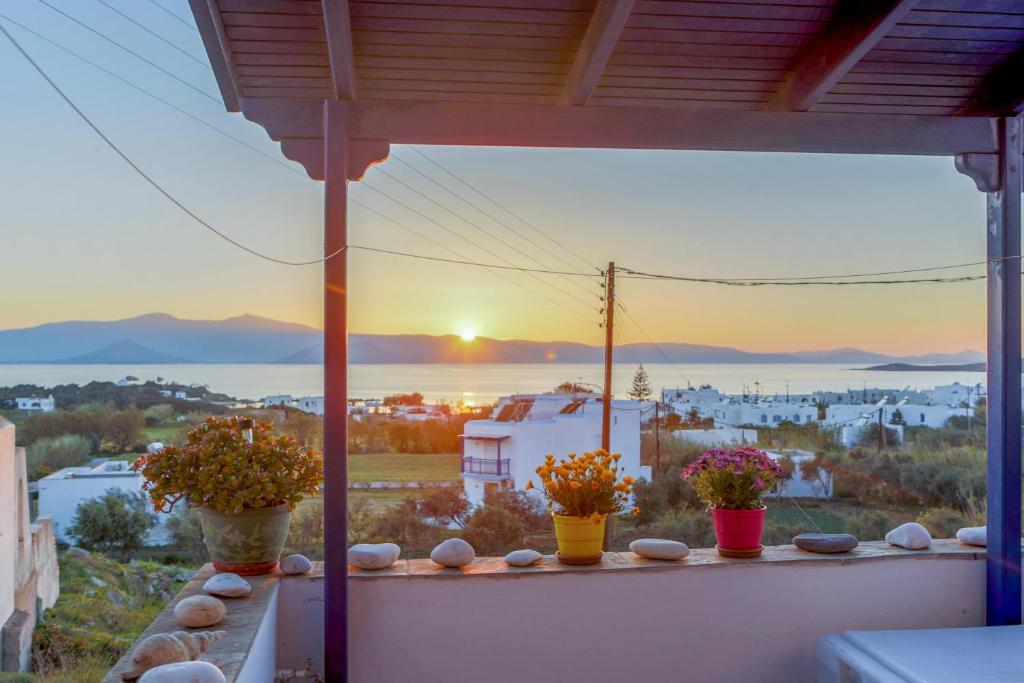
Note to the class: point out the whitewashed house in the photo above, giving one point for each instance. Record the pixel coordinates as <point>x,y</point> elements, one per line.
<point>956,394</point>
<point>61,493</point>
<point>684,400</point>
<point>504,451</point>
<point>311,404</point>
<point>712,438</point>
<point>278,400</point>
<point>29,576</point>
<point>762,413</point>
<point>44,405</point>
<point>909,414</point>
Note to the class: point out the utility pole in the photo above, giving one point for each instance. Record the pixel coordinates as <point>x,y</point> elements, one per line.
<point>657,437</point>
<point>609,323</point>
<point>881,429</point>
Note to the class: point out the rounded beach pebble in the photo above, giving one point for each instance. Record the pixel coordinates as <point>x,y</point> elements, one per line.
<point>199,610</point>
<point>296,564</point>
<point>227,585</point>
<point>453,553</point>
<point>973,535</point>
<point>522,558</point>
<point>826,543</point>
<point>373,555</point>
<point>911,535</point>
<point>659,549</point>
<point>184,672</point>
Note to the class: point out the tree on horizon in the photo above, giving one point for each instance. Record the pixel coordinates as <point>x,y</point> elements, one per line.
<point>641,390</point>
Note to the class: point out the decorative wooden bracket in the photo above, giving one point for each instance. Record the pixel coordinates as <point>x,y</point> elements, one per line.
<point>362,154</point>
<point>983,169</point>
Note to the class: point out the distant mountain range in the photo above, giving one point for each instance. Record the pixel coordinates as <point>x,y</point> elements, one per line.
<point>159,338</point>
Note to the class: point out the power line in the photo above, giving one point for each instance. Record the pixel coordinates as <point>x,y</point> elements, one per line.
<point>465,239</point>
<point>156,97</point>
<point>150,180</point>
<point>130,51</point>
<point>164,9</point>
<point>651,340</point>
<point>154,34</point>
<point>461,262</point>
<point>481,229</point>
<point>494,218</point>
<point>501,206</point>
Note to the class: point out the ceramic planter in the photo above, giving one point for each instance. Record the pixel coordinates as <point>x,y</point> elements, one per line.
<point>580,539</point>
<point>247,543</point>
<point>739,531</point>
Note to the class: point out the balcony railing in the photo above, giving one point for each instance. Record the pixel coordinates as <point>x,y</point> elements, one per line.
<point>493,467</point>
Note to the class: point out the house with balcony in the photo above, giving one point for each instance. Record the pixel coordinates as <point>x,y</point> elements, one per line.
<point>762,413</point>
<point>29,576</point>
<point>505,450</point>
<point>337,83</point>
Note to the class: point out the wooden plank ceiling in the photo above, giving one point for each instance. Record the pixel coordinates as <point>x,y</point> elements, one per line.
<point>924,57</point>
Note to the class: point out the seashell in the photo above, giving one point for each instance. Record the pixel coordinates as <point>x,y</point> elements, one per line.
<point>167,648</point>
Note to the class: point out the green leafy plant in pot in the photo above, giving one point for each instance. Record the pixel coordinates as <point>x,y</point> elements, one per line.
<point>245,483</point>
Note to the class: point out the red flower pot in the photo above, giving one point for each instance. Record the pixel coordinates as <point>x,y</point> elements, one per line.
<point>739,531</point>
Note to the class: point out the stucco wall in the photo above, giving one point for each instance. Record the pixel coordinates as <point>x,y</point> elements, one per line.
<point>704,620</point>
<point>8,521</point>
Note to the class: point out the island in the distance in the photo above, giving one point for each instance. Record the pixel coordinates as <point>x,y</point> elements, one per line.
<point>910,367</point>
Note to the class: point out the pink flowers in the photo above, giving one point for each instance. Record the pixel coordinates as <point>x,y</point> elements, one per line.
<point>733,479</point>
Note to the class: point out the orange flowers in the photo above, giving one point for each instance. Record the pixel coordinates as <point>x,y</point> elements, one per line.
<point>585,485</point>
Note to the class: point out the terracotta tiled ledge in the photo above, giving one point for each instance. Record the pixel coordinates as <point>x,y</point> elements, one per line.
<point>942,549</point>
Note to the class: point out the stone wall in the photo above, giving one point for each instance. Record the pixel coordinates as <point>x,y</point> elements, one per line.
<point>29,575</point>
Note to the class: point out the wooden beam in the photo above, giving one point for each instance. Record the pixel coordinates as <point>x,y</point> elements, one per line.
<point>603,31</point>
<point>832,56</point>
<point>1002,91</point>
<point>298,124</point>
<point>215,40</point>
<point>338,25</point>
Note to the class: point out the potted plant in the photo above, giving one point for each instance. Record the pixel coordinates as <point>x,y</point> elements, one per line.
<point>581,492</point>
<point>731,483</point>
<point>245,482</point>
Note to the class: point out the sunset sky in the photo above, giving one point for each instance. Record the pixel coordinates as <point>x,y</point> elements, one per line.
<point>85,238</point>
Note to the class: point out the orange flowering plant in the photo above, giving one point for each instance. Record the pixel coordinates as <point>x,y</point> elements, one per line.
<point>587,485</point>
<point>218,468</point>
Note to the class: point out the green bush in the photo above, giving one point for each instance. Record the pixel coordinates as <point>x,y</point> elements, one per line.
<point>18,678</point>
<point>446,506</point>
<point>46,456</point>
<point>943,522</point>
<point>306,531</point>
<point>870,525</point>
<point>116,522</point>
<point>186,532</point>
<point>402,524</point>
<point>158,415</point>
<point>493,530</point>
<point>529,510</point>
<point>692,528</point>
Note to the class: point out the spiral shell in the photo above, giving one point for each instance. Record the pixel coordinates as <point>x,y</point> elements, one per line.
<point>167,648</point>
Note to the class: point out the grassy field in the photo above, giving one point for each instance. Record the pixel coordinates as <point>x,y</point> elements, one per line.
<point>365,467</point>
<point>162,434</point>
<point>788,513</point>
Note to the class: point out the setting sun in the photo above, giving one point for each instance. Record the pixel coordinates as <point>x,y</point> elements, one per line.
<point>467,334</point>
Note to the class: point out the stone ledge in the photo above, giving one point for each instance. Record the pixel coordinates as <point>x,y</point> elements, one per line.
<point>495,567</point>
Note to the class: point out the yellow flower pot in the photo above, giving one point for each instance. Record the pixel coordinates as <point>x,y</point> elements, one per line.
<point>580,539</point>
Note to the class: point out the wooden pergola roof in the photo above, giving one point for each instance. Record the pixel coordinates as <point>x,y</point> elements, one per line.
<point>881,76</point>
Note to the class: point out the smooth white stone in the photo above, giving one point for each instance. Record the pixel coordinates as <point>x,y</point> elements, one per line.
<point>199,610</point>
<point>184,672</point>
<point>373,555</point>
<point>910,535</point>
<point>296,564</point>
<point>659,549</point>
<point>453,553</point>
<point>227,585</point>
<point>973,535</point>
<point>522,558</point>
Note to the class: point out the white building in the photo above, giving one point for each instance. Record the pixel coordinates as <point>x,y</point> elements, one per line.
<point>504,451</point>
<point>29,576</point>
<point>762,413</point>
<point>717,437</point>
<point>956,394</point>
<point>909,414</point>
<point>45,405</point>
<point>61,492</point>
<point>683,400</point>
<point>278,400</point>
<point>311,404</point>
